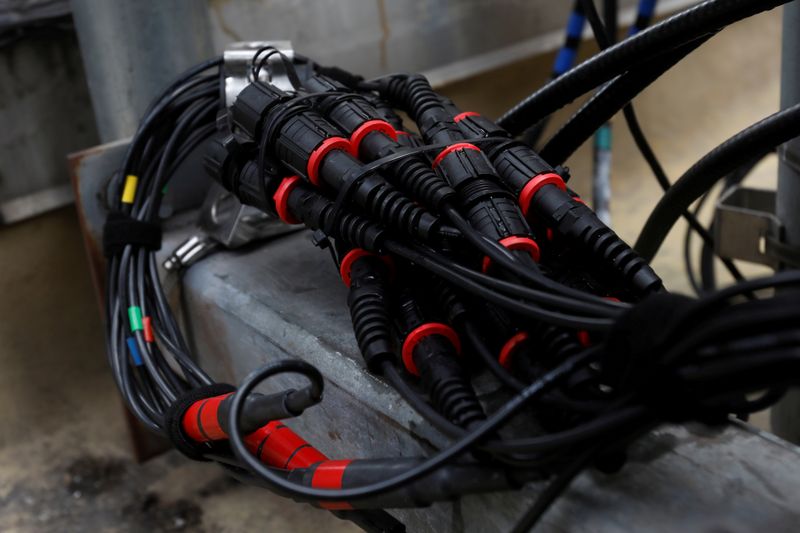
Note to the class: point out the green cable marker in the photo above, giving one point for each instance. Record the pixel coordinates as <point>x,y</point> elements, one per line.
<point>602,137</point>
<point>135,317</point>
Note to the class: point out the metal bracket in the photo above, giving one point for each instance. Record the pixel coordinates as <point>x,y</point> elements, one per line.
<point>238,58</point>
<point>224,221</point>
<point>746,227</point>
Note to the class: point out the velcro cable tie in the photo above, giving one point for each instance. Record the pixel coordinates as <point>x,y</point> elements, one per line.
<point>121,230</point>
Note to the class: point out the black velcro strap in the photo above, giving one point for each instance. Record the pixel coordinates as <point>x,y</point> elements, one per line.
<point>173,421</point>
<point>637,341</point>
<point>121,230</point>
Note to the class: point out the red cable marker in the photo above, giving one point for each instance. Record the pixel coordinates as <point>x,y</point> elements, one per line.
<point>200,421</point>
<point>147,326</point>
<point>329,475</point>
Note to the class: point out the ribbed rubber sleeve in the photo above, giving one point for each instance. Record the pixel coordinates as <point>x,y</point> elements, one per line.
<point>369,311</point>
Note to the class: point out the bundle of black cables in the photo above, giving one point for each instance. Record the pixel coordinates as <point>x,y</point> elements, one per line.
<point>453,238</point>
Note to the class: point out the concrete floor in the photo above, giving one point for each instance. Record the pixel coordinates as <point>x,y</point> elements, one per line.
<point>65,461</point>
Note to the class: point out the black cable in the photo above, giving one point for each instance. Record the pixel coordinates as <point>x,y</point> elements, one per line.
<point>503,375</point>
<point>708,356</point>
<point>552,492</point>
<point>564,61</point>
<point>658,171</point>
<point>530,393</point>
<point>608,101</point>
<point>707,281</point>
<point>433,265</point>
<point>610,19</point>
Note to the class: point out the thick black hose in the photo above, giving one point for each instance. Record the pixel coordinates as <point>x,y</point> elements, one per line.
<point>600,109</point>
<point>673,32</point>
<point>607,102</point>
<point>755,141</point>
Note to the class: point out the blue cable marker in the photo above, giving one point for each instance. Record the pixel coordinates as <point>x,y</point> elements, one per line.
<point>134,349</point>
<point>565,59</point>
<point>646,11</point>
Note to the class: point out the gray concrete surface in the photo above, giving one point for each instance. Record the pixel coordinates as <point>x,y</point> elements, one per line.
<point>64,458</point>
<point>251,307</point>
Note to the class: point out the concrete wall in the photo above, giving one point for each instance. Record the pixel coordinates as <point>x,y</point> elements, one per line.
<point>45,113</point>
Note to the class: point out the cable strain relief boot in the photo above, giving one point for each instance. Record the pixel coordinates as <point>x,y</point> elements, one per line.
<point>579,224</point>
<point>413,175</point>
<point>453,396</point>
<point>369,309</point>
<point>304,204</point>
<point>557,343</point>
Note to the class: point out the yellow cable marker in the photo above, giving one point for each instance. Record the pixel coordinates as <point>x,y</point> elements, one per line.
<point>129,192</point>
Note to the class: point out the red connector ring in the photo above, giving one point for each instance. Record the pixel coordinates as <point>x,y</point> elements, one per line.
<point>453,148</point>
<point>510,347</point>
<point>365,129</point>
<point>425,330</point>
<point>533,186</point>
<point>355,254</point>
<point>315,159</point>
<point>515,243</point>
<point>584,339</point>
<point>465,114</point>
<point>281,198</point>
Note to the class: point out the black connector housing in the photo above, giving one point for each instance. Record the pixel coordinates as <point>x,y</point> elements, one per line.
<point>441,374</point>
<point>253,104</point>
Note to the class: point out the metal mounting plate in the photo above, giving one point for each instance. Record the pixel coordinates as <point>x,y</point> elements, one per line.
<point>745,226</point>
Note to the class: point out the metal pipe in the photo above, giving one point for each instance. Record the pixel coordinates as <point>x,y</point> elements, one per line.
<point>785,415</point>
<point>132,50</point>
